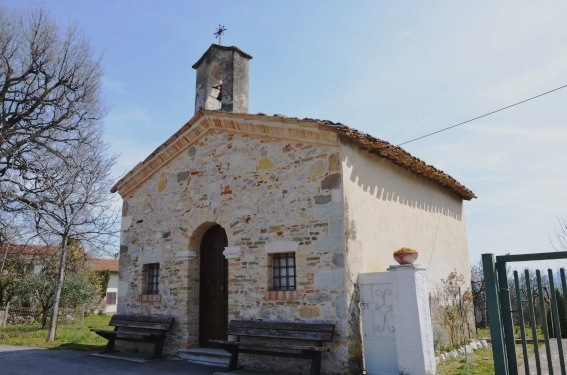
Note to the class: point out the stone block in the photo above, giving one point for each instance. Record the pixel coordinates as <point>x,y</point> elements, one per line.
<point>309,312</point>
<point>322,199</point>
<point>280,247</point>
<point>317,169</point>
<point>332,181</point>
<point>329,279</point>
<point>334,163</point>
<point>182,176</point>
<point>126,222</point>
<point>329,210</point>
<point>330,244</point>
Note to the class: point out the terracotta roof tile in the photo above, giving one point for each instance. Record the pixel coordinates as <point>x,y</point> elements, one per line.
<point>400,157</point>
<point>381,148</point>
<point>103,265</point>
<point>31,250</point>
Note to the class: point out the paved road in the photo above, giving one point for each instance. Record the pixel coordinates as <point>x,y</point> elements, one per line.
<point>555,360</point>
<point>16,360</point>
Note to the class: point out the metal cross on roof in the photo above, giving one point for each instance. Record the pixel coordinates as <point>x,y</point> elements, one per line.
<point>218,33</point>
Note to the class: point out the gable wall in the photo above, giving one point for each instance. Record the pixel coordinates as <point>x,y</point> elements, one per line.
<point>389,208</point>
<point>269,195</point>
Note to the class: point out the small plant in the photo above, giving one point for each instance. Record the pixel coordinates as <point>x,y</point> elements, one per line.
<point>452,309</point>
<point>562,317</point>
<point>405,255</point>
<point>440,337</point>
<point>405,250</point>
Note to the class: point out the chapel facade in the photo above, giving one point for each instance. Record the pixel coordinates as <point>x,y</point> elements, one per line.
<point>242,216</point>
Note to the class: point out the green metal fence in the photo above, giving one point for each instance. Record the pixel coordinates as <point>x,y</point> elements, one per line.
<point>532,306</point>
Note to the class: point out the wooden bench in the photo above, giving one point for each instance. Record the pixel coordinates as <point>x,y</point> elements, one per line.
<point>257,334</point>
<point>146,329</point>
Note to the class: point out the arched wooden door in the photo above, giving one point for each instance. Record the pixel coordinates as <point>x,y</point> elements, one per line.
<point>213,301</point>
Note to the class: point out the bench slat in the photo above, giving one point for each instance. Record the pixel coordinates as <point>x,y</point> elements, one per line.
<point>264,345</point>
<point>140,318</point>
<point>148,329</point>
<point>317,327</point>
<point>290,335</point>
<point>142,322</point>
<point>134,335</point>
<point>142,325</point>
<point>277,330</point>
<point>305,355</point>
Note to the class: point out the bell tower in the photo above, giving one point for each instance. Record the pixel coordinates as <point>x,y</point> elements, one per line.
<point>222,80</point>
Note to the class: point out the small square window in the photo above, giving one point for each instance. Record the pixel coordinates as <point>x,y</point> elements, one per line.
<point>283,271</point>
<point>111,298</point>
<point>151,277</point>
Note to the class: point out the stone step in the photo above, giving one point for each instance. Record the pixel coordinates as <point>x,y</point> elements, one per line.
<point>205,356</point>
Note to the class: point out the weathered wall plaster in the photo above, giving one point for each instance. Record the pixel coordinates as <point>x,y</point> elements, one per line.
<point>389,208</point>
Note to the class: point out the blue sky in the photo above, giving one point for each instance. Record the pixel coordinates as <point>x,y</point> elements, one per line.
<point>396,70</point>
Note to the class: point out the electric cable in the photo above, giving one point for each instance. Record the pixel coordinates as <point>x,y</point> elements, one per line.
<point>486,114</point>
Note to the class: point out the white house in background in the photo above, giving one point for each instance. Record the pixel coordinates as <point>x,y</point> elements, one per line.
<point>111,265</point>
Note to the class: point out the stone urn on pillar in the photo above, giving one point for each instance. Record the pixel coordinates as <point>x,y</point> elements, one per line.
<point>405,255</point>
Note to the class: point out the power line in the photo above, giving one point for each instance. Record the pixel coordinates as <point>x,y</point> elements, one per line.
<point>487,114</point>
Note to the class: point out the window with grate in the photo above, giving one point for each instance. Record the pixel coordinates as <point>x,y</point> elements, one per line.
<point>283,271</point>
<point>111,298</point>
<point>152,278</point>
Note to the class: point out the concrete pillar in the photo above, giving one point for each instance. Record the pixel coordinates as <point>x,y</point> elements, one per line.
<point>414,334</point>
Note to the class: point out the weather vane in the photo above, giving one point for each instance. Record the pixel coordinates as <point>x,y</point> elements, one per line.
<point>220,30</point>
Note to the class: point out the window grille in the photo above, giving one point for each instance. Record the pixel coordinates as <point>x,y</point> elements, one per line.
<point>152,272</point>
<point>283,268</point>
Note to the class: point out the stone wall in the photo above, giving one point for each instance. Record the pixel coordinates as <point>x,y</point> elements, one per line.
<point>270,195</point>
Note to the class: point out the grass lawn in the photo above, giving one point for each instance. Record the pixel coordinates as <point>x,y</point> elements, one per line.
<point>480,363</point>
<point>68,336</point>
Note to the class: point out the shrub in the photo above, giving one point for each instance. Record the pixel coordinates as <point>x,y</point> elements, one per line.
<point>562,317</point>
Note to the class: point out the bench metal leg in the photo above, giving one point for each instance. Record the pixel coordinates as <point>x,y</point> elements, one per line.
<point>233,364</point>
<point>158,350</point>
<point>316,365</point>
<point>109,346</point>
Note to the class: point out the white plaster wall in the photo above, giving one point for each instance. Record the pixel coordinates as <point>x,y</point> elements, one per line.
<point>112,287</point>
<point>387,208</point>
<point>113,282</point>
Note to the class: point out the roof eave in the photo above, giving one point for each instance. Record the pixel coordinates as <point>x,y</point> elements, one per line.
<point>381,148</point>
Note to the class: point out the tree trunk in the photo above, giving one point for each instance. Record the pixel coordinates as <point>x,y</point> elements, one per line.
<point>44,312</point>
<point>58,288</point>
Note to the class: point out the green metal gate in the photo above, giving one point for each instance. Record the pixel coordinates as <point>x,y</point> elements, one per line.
<point>529,311</point>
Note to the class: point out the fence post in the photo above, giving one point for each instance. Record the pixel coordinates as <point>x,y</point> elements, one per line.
<point>496,333</point>
<point>6,312</point>
<point>507,320</point>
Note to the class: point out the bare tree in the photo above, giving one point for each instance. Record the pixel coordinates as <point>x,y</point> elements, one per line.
<point>50,85</point>
<point>560,236</point>
<point>478,290</point>
<point>67,198</point>
<point>54,172</point>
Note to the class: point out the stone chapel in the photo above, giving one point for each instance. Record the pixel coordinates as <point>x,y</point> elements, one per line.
<point>250,216</point>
